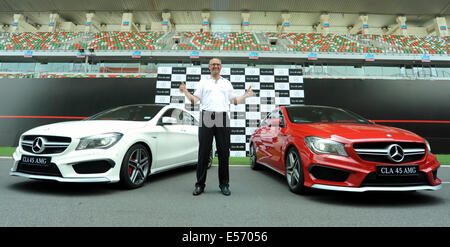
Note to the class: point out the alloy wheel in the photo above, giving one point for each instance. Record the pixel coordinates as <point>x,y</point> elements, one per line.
<point>294,172</point>
<point>138,165</point>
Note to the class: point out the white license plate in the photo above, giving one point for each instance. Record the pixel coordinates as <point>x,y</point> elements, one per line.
<point>35,160</point>
<point>398,170</point>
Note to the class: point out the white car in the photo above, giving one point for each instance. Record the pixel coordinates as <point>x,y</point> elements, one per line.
<point>123,144</point>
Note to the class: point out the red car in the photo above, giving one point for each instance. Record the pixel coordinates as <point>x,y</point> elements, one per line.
<point>329,148</point>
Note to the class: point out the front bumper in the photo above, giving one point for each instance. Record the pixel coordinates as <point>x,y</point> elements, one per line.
<point>60,179</point>
<point>350,174</point>
<point>365,189</point>
<point>66,163</point>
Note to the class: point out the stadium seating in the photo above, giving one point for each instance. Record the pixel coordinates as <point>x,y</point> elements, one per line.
<point>37,40</point>
<point>126,41</point>
<point>76,41</point>
<point>412,44</point>
<point>15,75</point>
<point>227,41</point>
<point>318,42</point>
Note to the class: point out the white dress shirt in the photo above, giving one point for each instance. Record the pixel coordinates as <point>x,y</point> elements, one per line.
<point>214,95</point>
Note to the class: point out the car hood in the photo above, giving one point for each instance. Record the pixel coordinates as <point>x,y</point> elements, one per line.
<point>79,129</point>
<point>356,132</point>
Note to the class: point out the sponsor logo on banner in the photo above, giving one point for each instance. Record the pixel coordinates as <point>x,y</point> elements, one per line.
<point>15,24</point>
<point>365,26</point>
<point>28,54</point>
<point>443,28</point>
<point>126,23</point>
<point>312,56</point>
<point>253,55</point>
<point>88,23</point>
<point>194,54</point>
<point>179,70</point>
<point>245,23</point>
<point>51,24</point>
<point>164,70</point>
<point>81,55</point>
<point>426,59</point>
<point>404,27</point>
<point>286,24</point>
<point>252,71</point>
<point>266,71</point>
<point>165,23</point>
<point>205,23</point>
<point>136,54</point>
<point>370,58</point>
<point>237,71</point>
<point>295,72</point>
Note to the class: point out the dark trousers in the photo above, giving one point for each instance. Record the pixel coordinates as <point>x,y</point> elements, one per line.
<point>217,125</point>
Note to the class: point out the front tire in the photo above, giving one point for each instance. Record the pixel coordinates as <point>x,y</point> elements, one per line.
<point>294,172</point>
<point>252,154</point>
<point>135,167</point>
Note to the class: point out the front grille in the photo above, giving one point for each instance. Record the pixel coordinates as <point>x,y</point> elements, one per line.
<point>378,151</point>
<point>53,144</point>
<point>373,180</point>
<point>49,170</point>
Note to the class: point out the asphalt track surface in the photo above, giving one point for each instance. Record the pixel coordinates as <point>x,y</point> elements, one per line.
<point>259,198</point>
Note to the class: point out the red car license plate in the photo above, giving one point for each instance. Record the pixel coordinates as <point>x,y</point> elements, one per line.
<point>398,170</point>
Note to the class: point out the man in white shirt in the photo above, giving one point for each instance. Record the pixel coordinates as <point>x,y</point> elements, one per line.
<point>215,94</point>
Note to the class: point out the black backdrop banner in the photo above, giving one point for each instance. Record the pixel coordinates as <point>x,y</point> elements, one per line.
<point>65,97</point>
<point>394,100</point>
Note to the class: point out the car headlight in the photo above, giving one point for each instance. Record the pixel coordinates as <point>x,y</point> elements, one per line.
<point>325,146</point>
<point>102,141</point>
<point>428,146</point>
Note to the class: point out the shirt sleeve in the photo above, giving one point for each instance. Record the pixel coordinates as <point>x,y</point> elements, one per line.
<point>199,91</point>
<point>231,93</point>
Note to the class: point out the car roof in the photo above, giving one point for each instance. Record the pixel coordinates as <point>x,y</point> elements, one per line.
<point>312,106</point>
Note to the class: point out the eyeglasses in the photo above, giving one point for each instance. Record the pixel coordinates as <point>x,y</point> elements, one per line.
<point>215,64</point>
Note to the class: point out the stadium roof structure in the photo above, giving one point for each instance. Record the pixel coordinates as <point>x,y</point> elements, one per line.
<point>306,13</point>
<point>418,12</point>
<point>406,7</point>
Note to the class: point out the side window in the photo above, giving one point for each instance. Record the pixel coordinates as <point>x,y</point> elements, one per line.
<point>264,122</point>
<point>276,114</point>
<point>280,113</point>
<point>178,114</point>
<point>174,113</point>
<point>168,113</point>
<point>188,119</point>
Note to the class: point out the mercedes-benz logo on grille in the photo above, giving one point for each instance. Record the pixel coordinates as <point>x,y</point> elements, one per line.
<point>38,145</point>
<point>396,153</point>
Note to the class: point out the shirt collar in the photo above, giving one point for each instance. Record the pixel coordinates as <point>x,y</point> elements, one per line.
<point>220,78</point>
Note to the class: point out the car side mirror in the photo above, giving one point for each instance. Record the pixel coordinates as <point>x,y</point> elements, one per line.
<point>168,120</point>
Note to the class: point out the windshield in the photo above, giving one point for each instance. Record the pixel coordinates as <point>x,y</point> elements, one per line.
<point>314,114</point>
<point>129,113</point>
